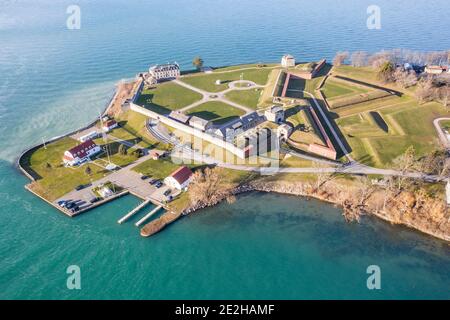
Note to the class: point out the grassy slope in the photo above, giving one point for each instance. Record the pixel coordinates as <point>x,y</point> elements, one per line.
<point>371,146</point>
<point>216,111</point>
<point>166,97</point>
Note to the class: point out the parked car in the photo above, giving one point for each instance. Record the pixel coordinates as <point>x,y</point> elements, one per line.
<point>62,203</point>
<point>144,177</point>
<point>94,200</point>
<point>167,192</point>
<point>159,184</point>
<point>80,187</point>
<point>153,181</point>
<point>70,205</point>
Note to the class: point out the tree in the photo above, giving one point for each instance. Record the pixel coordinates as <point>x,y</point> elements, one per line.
<point>444,95</point>
<point>340,58</point>
<point>436,163</point>
<point>359,59</point>
<point>404,163</point>
<point>207,186</point>
<point>425,90</point>
<point>386,72</point>
<point>197,63</point>
<point>88,170</point>
<point>403,78</point>
<point>122,149</point>
<point>322,175</point>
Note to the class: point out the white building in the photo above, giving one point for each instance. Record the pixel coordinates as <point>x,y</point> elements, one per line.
<point>81,152</point>
<point>164,71</point>
<point>199,123</point>
<point>179,179</point>
<point>287,61</point>
<point>275,114</point>
<point>284,131</point>
<point>109,125</point>
<point>89,136</point>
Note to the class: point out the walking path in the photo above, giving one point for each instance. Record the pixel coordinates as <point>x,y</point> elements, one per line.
<point>445,140</point>
<point>218,96</point>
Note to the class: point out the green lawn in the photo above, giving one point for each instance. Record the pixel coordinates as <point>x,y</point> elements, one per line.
<point>158,169</point>
<point>332,89</point>
<point>248,98</point>
<point>56,181</point>
<point>372,146</point>
<point>216,111</point>
<point>166,97</point>
<point>207,82</point>
<point>360,73</point>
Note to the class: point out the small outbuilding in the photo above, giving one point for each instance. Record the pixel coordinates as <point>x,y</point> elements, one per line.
<point>109,125</point>
<point>179,116</point>
<point>287,61</point>
<point>284,131</point>
<point>275,114</point>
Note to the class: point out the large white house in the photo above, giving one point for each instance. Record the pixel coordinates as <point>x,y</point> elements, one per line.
<point>179,179</point>
<point>81,152</point>
<point>164,71</point>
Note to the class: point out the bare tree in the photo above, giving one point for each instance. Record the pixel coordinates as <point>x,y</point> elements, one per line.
<point>322,175</point>
<point>359,59</point>
<point>405,162</point>
<point>386,72</point>
<point>403,78</point>
<point>340,58</point>
<point>444,95</point>
<point>425,90</point>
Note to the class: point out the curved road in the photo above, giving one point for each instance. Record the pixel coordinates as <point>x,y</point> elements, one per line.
<point>442,136</point>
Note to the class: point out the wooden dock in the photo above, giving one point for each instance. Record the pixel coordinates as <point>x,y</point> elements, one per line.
<point>148,215</point>
<point>133,212</point>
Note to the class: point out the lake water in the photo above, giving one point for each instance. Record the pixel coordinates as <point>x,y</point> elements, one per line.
<point>53,80</point>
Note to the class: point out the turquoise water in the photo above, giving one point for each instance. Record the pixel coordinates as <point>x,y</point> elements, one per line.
<point>264,246</point>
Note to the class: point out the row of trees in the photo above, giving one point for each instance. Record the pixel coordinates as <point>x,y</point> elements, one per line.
<point>396,56</point>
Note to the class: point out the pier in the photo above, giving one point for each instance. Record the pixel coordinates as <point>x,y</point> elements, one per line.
<point>148,215</point>
<point>133,212</point>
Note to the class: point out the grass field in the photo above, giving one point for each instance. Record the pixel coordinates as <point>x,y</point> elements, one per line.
<point>333,89</point>
<point>166,97</point>
<point>373,146</point>
<point>207,82</point>
<point>58,180</point>
<point>158,169</point>
<point>249,98</point>
<point>216,111</point>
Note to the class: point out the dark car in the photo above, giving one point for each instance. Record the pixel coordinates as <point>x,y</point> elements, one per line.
<point>70,205</point>
<point>80,187</point>
<point>62,203</point>
<point>94,200</point>
<point>167,192</point>
<point>153,181</point>
<point>159,184</point>
<point>144,177</point>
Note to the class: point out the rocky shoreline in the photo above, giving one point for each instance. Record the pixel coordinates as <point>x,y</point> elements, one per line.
<point>339,198</point>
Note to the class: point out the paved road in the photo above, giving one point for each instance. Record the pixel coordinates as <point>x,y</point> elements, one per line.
<point>442,136</point>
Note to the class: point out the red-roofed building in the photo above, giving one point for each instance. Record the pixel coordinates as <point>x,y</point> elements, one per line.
<point>81,152</point>
<point>109,125</point>
<point>179,179</point>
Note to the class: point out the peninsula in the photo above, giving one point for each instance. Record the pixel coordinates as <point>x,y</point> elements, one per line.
<point>371,137</point>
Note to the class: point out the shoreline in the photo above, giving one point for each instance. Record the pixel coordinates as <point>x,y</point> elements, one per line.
<point>256,187</point>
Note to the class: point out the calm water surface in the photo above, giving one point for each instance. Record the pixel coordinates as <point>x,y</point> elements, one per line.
<point>264,246</point>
